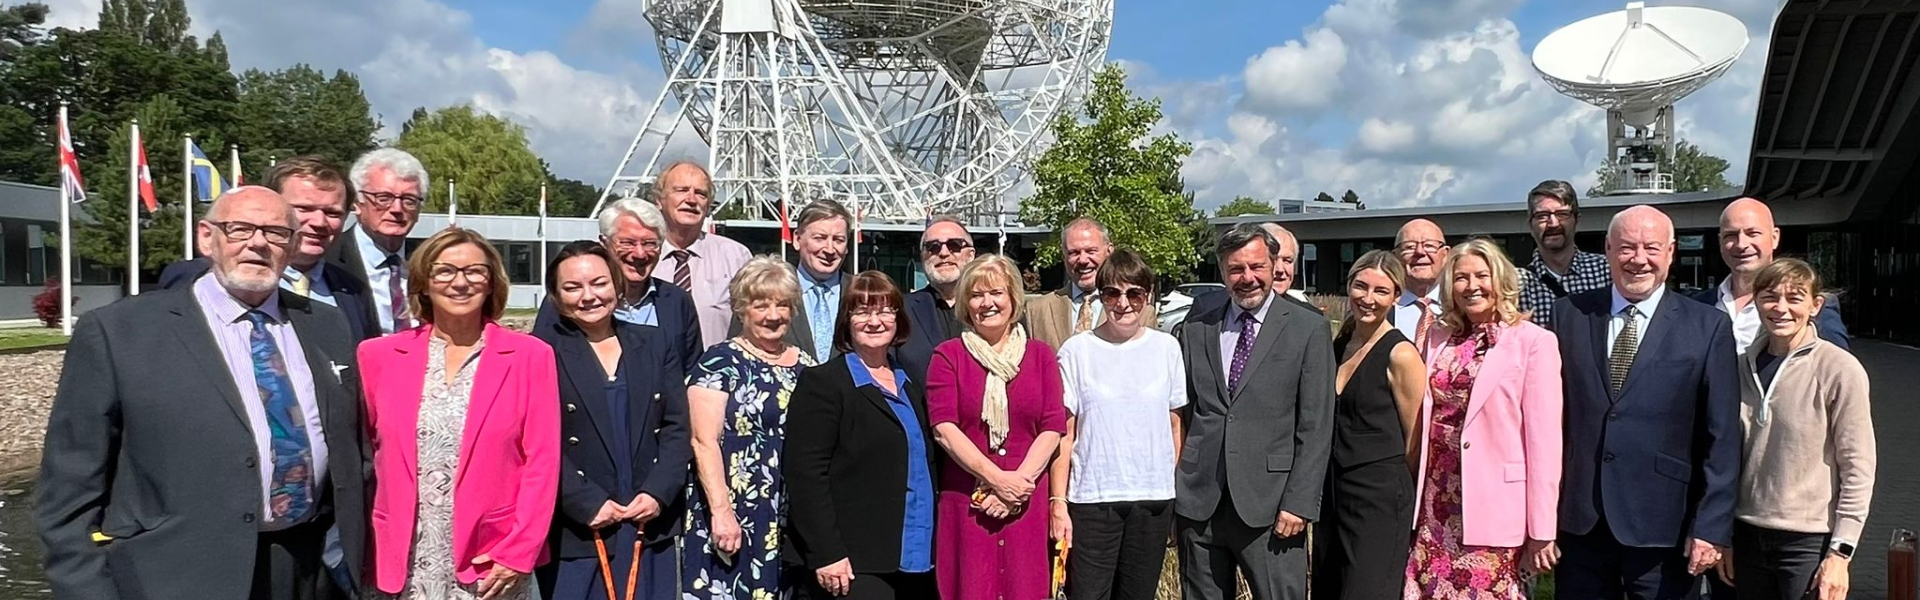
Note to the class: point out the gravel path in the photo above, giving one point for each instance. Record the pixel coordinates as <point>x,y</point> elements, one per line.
<point>27,382</point>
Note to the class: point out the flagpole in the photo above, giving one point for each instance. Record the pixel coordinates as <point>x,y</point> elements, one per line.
<point>133,212</point>
<point>66,240</point>
<point>234,160</point>
<point>453,205</point>
<point>186,195</point>
<point>542,266</point>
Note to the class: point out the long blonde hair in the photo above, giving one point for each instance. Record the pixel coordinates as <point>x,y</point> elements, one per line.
<point>1506,284</point>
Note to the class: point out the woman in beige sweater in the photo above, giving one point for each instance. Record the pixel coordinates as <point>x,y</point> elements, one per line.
<point>1808,475</point>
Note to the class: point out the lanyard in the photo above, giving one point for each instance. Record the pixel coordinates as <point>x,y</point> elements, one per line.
<point>606,569</point>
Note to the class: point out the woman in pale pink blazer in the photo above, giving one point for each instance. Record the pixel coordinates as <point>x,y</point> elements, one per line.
<point>465,427</point>
<point>1489,488</point>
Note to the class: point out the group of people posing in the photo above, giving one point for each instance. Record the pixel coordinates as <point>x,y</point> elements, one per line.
<point>315,411</point>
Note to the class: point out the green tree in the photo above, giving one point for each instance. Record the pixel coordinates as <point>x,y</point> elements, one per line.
<point>486,156</point>
<point>1243,205</point>
<point>159,24</point>
<point>1105,165</point>
<point>569,197</point>
<point>299,110</point>
<point>20,27</point>
<point>1354,199</point>
<point>1694,171</point>
<point>102,236</point>
<point>1323,197</point>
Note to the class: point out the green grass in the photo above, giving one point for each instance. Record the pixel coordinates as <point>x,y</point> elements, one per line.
<point>30,337</point>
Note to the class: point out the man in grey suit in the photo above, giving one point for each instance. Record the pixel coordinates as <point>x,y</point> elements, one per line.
<point>205,440</point>
<point>1260,379</point>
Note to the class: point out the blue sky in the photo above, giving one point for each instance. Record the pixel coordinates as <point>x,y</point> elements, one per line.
<point>1407,102</point>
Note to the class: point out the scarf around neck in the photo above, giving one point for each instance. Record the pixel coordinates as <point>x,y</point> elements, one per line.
<point>1002,366</point>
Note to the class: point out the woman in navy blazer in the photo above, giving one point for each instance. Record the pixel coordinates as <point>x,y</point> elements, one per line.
<point>624,429</point>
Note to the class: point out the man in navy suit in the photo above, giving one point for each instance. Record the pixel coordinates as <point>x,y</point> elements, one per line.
<point>945,246</point>
<point>1652,426</point>
<point>1748,239</point>
<point>318,191</point>
<point>632,228</point>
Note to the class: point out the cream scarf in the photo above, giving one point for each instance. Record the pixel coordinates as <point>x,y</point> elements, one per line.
<point>1002,366</point>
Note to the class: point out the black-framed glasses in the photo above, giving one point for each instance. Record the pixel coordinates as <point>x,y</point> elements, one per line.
<point>240,231</point>
<point>1422,247</point>
<point>1135,295</point>
<point>953,246</point>
<point>1562,215</point>
<point>444,273</point>
<point>382,200</point>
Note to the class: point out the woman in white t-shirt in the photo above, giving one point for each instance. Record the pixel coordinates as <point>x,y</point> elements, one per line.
<point>1112,496</point>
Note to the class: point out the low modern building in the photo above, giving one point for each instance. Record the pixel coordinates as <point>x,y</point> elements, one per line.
<point>30,253</point>
<point>1289,206</point>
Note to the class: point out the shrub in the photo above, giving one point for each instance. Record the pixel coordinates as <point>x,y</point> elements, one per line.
<point>46,304</point>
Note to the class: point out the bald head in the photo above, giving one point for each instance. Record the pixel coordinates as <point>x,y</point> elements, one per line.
<point>1748,238</point>
<point>248,237</point>
<point>1639,250</point>
<point>1423,247</point>
<point>1283,265</point>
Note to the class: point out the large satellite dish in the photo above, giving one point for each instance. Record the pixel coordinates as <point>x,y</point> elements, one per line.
<point>896,108</point>
<point>1635,64</point>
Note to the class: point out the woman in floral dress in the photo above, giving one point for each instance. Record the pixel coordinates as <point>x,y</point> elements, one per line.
<point>738,394</point>
<point>1490,475</point>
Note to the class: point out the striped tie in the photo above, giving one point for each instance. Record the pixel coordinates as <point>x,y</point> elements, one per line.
<point>1624,347</point>
<point>682,272</point>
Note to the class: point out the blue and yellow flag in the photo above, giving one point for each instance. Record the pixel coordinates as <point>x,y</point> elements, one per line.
<point>207,183</point>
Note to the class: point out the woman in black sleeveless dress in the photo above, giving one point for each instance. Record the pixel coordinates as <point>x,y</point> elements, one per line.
<point>1361,543</point>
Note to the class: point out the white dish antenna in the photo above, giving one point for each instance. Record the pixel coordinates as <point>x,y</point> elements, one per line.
<point>1636,63</point>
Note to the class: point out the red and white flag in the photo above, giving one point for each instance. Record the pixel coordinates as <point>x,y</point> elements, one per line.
<point>144,175</point>
<point>70,182</point>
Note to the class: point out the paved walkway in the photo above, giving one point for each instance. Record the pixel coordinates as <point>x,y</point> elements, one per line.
<point>1896,422</point>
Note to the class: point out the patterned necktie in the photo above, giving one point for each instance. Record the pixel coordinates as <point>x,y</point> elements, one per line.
<point>291,451</point>
<point>1426,322</point>
<point>1242,350</point>
<point>682,271</point>
<point>820,319</point>
<point>396,293</point>
<point>302,284</point>
<point>1625,346</point>
<point>1085,320</point>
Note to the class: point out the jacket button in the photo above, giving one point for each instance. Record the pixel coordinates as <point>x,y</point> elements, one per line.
<point>570,407</point>
<point>1613,416</point>
<point>1003,451</point>
<point>1466,445</point>
<point>246,518</point>
<point>1608,458</point>
<point>251,462</point>
<point>580,473</point>
<point>656,395</point>
<point>573,441</point>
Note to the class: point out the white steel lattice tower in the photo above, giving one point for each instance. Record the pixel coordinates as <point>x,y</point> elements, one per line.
<point>896,108</point>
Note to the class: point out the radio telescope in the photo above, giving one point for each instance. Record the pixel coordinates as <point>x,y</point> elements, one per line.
<point>896,108</point>
<point>1635,64</point>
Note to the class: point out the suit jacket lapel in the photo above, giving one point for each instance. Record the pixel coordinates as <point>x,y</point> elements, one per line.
<point>1653,337</point>
<point>641,404</point>
<point>490,375</point>
<point>1267,334</point>
<point>1212,326</point>
<point>924,307</point>
<point>800,332</point>
<point>410,367</point>
<point>577,368</point>
<point>1602,351</point>
<point>190,325</point>
<point>328,390</point>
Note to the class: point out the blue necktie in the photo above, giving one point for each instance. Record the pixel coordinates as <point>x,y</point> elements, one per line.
<point>292,482</point>
<point>820,317</point>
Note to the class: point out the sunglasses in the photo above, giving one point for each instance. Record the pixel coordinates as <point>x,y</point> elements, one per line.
<point>1134,295</point>
<point>953,246</point>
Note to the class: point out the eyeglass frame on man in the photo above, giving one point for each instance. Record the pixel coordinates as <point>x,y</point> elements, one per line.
<point>1427,247</point>
<point>437,275</point>
<point>232,230</point>
<point>1563,215</point>
<point>385,200</point>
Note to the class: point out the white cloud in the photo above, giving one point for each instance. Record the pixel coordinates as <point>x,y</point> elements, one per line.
<point>1385,136</point>
<point>1297,75</point>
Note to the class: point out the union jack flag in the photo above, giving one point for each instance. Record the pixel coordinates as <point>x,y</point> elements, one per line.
<point>70,183</point>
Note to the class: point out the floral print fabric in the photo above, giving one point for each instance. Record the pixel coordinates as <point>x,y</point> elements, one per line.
<point>1440,565</point>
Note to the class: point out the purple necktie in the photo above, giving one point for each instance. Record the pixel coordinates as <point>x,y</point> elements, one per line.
<point>1242,349</point>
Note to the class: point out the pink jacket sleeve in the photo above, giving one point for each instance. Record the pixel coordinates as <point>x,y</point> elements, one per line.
<point>539,486</point>
<point>1540,412</point>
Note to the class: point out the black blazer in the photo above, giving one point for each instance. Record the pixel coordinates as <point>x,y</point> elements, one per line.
<point>928,325</point>
<point>345,254</point>
<point>656,387</point>
<point>846,482</point>
<point>1827,324</point>
<point>672,309</point>
<point>1661,461</point>
<point>348,292</point>
<point>149,443</point>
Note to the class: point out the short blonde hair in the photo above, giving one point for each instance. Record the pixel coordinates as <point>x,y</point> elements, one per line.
<point>991,268</point>
<point>1506,284</point>
<point>420,267</point>
<point>763,278</point>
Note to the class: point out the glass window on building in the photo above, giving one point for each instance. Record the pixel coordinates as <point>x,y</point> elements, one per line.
<point>517,257</point>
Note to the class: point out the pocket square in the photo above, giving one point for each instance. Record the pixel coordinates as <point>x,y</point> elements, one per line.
<point>337,370</point>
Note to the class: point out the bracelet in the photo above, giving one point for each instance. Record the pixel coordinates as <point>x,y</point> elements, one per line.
<point>1057,499</point>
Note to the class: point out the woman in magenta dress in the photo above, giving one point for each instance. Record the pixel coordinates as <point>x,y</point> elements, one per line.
<point>994,399</point>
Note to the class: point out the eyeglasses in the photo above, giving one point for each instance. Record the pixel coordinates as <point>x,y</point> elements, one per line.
<point>953,246</point>
<point>1134,295</point>
<point>1561,215</point>
<point>1422,247</point>
<point>875,314</point>
<point>630,245</point>
<point>382,200</point>
<point>444,273</point>
<point>240,231</point>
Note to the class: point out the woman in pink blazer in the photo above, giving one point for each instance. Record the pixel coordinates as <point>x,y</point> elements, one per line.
<point>1489,488</point>
<point>465,427</point>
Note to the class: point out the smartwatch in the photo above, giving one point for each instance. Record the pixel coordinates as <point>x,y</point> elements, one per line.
<point>1842,549</point>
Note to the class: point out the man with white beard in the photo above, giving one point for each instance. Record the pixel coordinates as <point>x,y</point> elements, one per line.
<point>945,246</point>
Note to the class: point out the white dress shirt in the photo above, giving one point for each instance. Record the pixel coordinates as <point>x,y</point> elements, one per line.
<point>1230,332</point>
<point>1617,322</point>
<point>1746,320</point>
<point>1406,312</point>
<point>317,288</point>
<point>371,257</point>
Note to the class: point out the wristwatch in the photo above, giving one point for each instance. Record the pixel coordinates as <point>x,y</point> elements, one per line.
<point>1842,549</point>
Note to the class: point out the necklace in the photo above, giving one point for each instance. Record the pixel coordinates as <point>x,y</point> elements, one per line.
<point>757,352</point>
